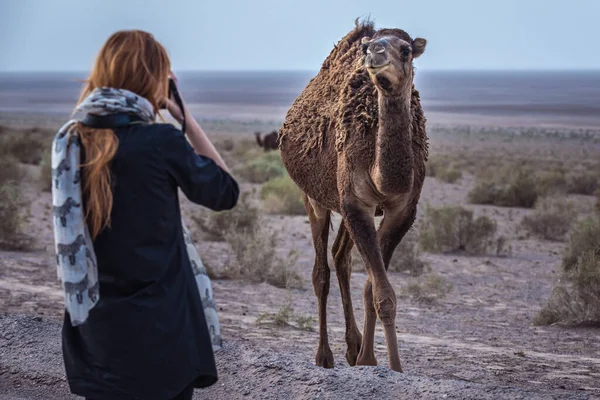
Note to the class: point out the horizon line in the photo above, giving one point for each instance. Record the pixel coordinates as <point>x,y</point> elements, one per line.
<point>42,71</point>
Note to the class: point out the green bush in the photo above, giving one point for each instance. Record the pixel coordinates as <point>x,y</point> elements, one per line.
<point>551,219</point>
<point>510,187</point>
<point>454,229</point>
<point>262,169</point>
<point>282,196</point>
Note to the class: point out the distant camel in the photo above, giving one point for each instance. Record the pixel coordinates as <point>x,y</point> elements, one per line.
<point>354,141</point>
<point>269,142</point>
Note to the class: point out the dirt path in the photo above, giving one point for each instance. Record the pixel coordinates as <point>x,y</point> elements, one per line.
<point>31,369</point>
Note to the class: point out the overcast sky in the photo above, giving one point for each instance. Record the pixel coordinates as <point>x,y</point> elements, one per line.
<point>49,35</point>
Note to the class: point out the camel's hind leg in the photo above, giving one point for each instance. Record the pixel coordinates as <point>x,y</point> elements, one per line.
<point>366,356</point>
<point>319,224</point>
<point>359,220</point>
<point>342,246</point>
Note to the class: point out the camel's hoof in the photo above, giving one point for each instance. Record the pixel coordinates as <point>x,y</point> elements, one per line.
<point>353,350</point>
<point>366,359</point>
<point>397,369</point>
<point>352,355</point>
<point>324,358</point>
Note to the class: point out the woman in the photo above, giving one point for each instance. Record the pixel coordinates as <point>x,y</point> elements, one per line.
<point>134,325</point>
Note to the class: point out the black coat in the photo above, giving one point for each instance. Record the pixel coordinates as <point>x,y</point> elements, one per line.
<point>147,337</point>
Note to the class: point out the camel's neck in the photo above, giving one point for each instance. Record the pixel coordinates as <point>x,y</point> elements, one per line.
<point>393,169</point>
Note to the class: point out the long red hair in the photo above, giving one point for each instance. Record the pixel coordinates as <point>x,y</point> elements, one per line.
<point>131,60</point>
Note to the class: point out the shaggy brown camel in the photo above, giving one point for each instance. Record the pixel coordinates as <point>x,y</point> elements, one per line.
<point>269,142</point>
<point>354,141</point>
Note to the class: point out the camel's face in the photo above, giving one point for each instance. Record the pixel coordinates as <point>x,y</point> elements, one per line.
<point>388,60</point>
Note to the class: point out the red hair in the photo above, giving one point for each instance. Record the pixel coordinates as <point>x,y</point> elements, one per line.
<point>131,60</point>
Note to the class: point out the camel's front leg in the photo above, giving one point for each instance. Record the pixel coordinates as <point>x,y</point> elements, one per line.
<point>359,220</point>
<point>319,224</point>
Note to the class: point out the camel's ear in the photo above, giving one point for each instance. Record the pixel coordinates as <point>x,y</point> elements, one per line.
<point>418,47</point>
<point>364,44</point>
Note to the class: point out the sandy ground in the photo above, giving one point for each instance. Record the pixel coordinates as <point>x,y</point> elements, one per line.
<point>476,343</point>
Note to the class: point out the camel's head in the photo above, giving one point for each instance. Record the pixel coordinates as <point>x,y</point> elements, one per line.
<point>388,59</point>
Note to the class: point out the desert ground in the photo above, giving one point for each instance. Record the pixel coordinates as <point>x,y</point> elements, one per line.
<point>467,315</point>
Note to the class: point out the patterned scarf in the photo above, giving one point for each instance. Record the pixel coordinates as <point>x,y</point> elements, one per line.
<point>76,261</point>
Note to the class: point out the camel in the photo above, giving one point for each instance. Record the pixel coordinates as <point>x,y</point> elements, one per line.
<point>354,141</point>
<point>269,142</point>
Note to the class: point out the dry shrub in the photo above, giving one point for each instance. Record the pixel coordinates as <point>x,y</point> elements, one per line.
<point>27,147</point>
<point>284,315</point>
<point>552,182</point>
<point>10,170</point>
<point>45,180</point>
<point>582,183</point>
<point>428,288</point>
<point>450,175</point>
<point>11,215</point>
<point>454,229</point>
<point>254,247</point>
<point>255,259</point>
<point>584,238</point>
<point>443,169</point>
<point>261,169</point>
<point>236,152</point>
<point>575,298</point>
<point>225,145</point>
<point>11,205</point>
<point>509,187</point>
<point>407,256</point>
<point>282,196</point>
<point>244,149</point>
<point>244,217</point>
<point>551,219</point>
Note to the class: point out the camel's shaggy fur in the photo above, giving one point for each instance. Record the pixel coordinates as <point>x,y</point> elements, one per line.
<point>343,96</point>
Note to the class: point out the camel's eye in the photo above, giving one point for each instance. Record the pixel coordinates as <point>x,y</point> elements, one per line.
<point>406,52</point>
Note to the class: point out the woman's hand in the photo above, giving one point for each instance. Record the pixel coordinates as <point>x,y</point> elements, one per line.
<point>175,111</point>
<point>196,136</point>
<point>172,105</point>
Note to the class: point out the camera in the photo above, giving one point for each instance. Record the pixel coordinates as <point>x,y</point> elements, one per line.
<point>174,93</point>
<point>172,90</point>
